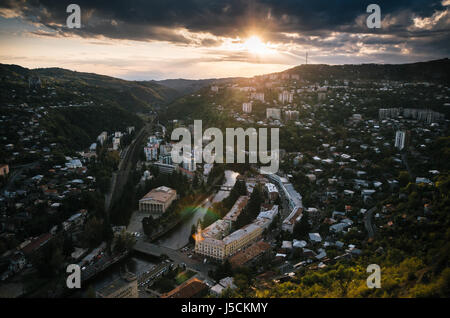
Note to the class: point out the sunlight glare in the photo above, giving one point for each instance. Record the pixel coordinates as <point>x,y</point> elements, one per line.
<point>254,45</point>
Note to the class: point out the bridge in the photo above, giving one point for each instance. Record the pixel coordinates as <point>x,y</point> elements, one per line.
<point>176,256</point>
<point>150,249</point>
<point>224,187</point>
<point>100,265</point>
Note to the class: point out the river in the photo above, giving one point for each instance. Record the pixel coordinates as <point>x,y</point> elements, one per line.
<point>179,236</point>
<point>175,239</point>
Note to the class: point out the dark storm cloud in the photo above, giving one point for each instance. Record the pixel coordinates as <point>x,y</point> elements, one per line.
<point>159,20</point>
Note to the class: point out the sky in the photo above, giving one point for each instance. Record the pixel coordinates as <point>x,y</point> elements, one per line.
<point>194,39</point>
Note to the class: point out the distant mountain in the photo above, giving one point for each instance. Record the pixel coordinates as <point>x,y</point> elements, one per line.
<point>69,85</point>
<point>184,86</point>
<point>433,71</point>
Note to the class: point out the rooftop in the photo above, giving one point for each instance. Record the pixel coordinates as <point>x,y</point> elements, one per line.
<point>216,230</point>
<point>236,235</point>
<point>188,289</point>
<point>237,208</point>
<point>296,213</point>
<point>161,194</point>
<point>249,253</point>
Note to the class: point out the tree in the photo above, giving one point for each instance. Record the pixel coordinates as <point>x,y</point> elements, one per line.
<point>124,242</point>
<point>93,231</point>
<point>403,178</point>
<point>223,270</point>
<point>56,261</point>
<point>149,225</point>
<point>252,209</point>
<point>195,181</point>
<point>302,228</point>
<point>90,293</point>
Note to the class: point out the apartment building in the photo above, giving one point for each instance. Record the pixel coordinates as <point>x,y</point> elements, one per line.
<point>151,153</point>
<point>293,217</point>
<point>247,107</point>
<point>236,209</point>
<point>400,137</point>
<point>274,113</point>
<point>285,97</point>
<point>291,115</point>
<point>257,96</point>
<point>102,137</point>
<point>221,249</point>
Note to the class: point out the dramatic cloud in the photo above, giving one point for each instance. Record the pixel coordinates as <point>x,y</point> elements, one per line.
<point>331,30</point>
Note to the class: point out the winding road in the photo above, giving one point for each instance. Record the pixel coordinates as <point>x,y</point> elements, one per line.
<point>368,222</point>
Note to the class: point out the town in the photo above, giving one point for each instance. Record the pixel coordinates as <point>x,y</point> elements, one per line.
<point>352,155</point>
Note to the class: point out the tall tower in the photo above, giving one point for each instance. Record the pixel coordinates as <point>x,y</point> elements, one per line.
<point>198,235</point>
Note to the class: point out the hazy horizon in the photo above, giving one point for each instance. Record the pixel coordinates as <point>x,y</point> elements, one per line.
<point>218,39</point>
<point>212,78</point>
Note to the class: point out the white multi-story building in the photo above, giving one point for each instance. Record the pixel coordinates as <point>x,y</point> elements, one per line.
<point>102,137</point>
<point>291,114</point>
<point>257,96</point>
<point>151,153</point>
<point>274,113</point>
<point>247,107</point>
<point>400,139</point>
<point>285,97</point>
<point>116,143</point>
<point>166,159</point>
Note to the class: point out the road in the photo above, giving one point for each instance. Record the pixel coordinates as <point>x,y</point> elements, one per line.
<point>176,256</point>
<point>368,222</point>
<point>15,172</point>
<point>120,177</point>
<point>405,162</point>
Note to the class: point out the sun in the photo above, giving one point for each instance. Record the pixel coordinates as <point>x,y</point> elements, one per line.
<point>254,45</point>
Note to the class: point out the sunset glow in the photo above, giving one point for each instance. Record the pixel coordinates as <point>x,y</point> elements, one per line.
<point>254,45</point>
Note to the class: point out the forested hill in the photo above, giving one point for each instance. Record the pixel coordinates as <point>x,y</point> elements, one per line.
<point>185,86</point>
<point>60,86</point>
<point>434,71</point>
